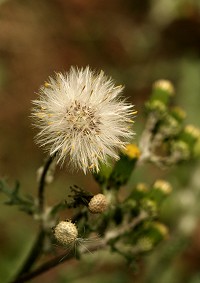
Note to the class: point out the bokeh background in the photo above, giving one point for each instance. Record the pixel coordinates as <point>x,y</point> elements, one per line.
<point>135,42</point>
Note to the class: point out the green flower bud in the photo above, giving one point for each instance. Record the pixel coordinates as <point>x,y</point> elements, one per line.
<point>159,191</point>
<point>139,192</point>
<point>156,106</point>
<point>161,228</point>
<point>169,126</point>
<point>178,113</point>
<point>150,206</point>
<point>144,244</point>
<point>162,91</point>
<point>181,149</point>
<point>162,186</point>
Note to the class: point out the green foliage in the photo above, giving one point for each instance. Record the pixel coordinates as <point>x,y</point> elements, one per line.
<point>25,203</point>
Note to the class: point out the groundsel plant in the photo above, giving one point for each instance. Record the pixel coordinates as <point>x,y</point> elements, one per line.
<point>81,115</point>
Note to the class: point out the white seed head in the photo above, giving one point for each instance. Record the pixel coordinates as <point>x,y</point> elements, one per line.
<point>80,115</point>
<point>66,232</point>
<point>98,204</point>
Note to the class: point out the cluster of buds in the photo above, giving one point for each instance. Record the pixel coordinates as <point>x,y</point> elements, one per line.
<point>166,140</point>
<point>148,198</point>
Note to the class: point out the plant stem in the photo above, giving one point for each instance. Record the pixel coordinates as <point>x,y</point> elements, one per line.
<point>42,183</point>
<point>37,246</point>
<point>33,255</point>
<point>43,268</point>
<point>102,244</point>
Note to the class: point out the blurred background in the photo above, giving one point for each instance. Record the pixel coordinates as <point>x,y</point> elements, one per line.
<point>135,42</point>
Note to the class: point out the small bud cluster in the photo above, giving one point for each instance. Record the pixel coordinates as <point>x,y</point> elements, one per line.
<point>166,140</point>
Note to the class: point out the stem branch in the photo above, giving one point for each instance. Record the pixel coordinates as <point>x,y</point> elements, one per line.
<point>102,244</point>
<point>37,246</point>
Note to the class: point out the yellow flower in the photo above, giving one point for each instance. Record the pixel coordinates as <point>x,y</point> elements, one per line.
<point>132,151</point>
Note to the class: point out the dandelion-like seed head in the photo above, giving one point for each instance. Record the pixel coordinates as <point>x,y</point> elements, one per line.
<point>80,115</point>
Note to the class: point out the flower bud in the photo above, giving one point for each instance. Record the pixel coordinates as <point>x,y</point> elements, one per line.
<point>98,204</point>
<point>145,244</point>
<point>192,131</point>
<point>181,149</point>
<point>163,186</point>
<point>178,113</point>
<point>65,232</point>
<point>161,228</point>
<point>139,192</point>
<point>132,151</point>
<point>157,106</point>
<point>162,91</point>
<point>150,206</point>
<point>165,86</point>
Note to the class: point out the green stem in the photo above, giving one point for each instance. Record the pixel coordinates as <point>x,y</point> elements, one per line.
<point>37,247</point>
<point>33,255</point>
<point>48,265</point>
<point>64,257</point>
<point>42,183</point>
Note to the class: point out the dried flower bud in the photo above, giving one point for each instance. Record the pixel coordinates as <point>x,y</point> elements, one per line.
<point>66,232</point>
<point>98,204</point>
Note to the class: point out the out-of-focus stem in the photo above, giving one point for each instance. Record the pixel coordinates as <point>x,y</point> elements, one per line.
<point>33,255</point>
